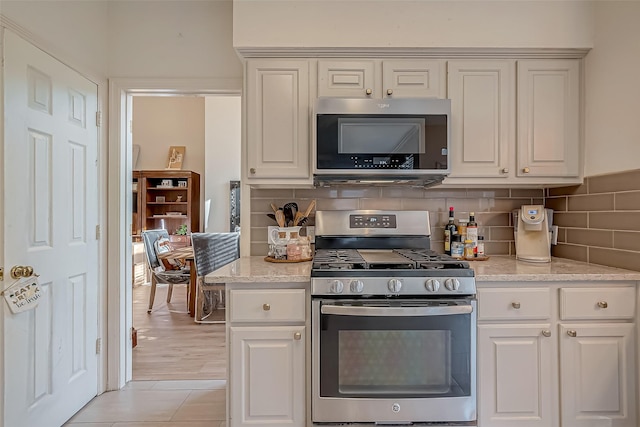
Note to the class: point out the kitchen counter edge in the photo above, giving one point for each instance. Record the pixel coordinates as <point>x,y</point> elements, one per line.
<point>498,268</point>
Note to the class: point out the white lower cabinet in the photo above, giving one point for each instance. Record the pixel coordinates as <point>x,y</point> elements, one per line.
<point>268,384</point>
<point>266,336</point>
<point>516,376</point>
<point>554,355</point>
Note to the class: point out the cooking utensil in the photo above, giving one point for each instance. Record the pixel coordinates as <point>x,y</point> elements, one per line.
<point>274,208</point>
<point>290,210</point>
<point>296,220</point>
<point>309,209</point>
<point>280,218</point>
<point>273,217</point>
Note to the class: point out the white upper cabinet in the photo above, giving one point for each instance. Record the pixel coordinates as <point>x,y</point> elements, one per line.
<point>482,97</point>
<point>548,118</point>
<point>382,79</point>
<point>277,125</point>
<point>515,122</point>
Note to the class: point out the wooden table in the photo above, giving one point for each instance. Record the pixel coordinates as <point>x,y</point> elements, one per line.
<point>186,254</point>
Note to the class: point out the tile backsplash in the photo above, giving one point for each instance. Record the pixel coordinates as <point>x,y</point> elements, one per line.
<point>492,208</point>
<point>599,221</point>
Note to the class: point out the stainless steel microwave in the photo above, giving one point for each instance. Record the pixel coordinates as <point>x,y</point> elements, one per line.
<point>381,140</point>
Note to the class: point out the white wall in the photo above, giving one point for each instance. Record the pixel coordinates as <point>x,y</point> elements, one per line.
<point>172,39</point>
<point>162,121</point>
<point>75,31</point>
<point>222,156</point>
<point>419,23</point>
<point>613,90</point>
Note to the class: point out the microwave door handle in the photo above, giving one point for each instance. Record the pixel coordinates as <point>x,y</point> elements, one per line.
<point>395,311</point>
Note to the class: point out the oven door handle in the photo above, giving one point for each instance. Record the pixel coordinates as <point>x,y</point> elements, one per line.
<point>342,310</point>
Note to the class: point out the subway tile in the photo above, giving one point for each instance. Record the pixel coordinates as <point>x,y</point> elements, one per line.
<point>462,207</point>
<point>575,252</point>
<point>591,202</point>
<point>615,220</point>
<point>431,205</point>
<point>259,234</point>
<point>623,181</point>
<point>488,194</point>
<point>452,193</point>
<point>565,191</point>
<point>382,204</point>
<point>260,219</point>
<point>562,235</point>
<point>570,219</point>
<point>336,204</point>
<point>501,233</point>
<point>558,204</point>
<point>314,193</point>
<point>496,248</point>
<point>614,258</point>
<point>627,240</point>
<point>358,192</point>
<point>259,249</point>
<point>580,236</point>
<point>402,192</point>
<point>493,219</point>
<point>627,201</point>
<point>527,192</point>
<point>264,193</point>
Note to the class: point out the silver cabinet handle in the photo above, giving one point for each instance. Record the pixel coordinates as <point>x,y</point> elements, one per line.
<point>266,307</point>
<point>297,336</point>
<point>525,170</point>
<point>389,92</point>
<point>368,91</point>
<point>572,333</point>
<point>515,305</point>
<point>603,304</point>
<point>252,171</point>
<point>505,170</point>
<point>546,333</point>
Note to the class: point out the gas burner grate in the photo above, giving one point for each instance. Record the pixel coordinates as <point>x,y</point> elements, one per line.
<point>338,259</point>
<point>427,259</point>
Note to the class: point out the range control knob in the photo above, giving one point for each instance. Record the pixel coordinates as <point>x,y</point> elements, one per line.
<point>336,287</point>
<point>356,286</point>
<point>452,284</point>
<point>432,285</point>
<point>394,285</point>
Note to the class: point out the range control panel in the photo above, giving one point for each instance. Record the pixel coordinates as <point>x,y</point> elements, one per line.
<point>372,221</point>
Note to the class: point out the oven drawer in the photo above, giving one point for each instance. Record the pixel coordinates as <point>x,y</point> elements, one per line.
<point>277,305</point>
<point>514,304</point>
<point>597,303</point>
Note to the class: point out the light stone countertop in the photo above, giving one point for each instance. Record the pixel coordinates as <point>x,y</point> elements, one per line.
<point>256,269</point>
<point>505,268</point>
<point>496,269</point>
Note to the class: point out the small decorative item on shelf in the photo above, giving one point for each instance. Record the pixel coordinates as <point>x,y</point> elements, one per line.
<point>176,157</point>
<point>166,183</point>
<point>182,230</point>
<point>182,184</point>
<point>178,198</point>
<point>160,199</point>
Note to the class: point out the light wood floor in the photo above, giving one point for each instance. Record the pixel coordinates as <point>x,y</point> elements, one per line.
<point>171,346</point>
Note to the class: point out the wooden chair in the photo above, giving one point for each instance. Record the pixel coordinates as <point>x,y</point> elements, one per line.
<point>212,251</point>
<point>159,274</point>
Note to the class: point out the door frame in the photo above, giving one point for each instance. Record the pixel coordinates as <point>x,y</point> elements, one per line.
<point>118,315</point>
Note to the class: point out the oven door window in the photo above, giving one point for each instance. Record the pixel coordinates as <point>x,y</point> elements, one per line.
<point>395,356</point>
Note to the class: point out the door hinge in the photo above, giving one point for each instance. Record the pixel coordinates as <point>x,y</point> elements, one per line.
<point>98,345</point>
<point>98,232</point>
<point>1,274</point>
<point>98,118</point>
<point>130,126</point>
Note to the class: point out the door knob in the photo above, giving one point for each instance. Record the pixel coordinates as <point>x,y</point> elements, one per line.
<point>18,271</point>
<point>368,91</point>
<point>297,336</point>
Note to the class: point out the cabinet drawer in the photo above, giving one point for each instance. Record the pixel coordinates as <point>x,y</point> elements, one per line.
<point>277,305</point>
<point>597,303</point>
<point>514,304</point>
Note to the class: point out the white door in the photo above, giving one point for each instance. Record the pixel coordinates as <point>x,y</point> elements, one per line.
<point>50,201</point>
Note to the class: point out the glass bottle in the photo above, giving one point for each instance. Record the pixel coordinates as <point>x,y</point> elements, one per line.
<point>462,229</point>
<point>294,249</point>
<point>450,229</point>
<point>468,249</point>
<point>457,246</point>
<point>480,247</point>
<point>472,228</point>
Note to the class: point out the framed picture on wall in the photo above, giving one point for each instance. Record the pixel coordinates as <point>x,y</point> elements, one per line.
<point>176,157</point>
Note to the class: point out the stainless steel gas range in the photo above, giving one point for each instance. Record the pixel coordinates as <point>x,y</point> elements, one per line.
<point>393,323</point>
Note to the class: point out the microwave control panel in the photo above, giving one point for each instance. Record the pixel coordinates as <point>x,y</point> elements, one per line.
<point>372,221</point>
<point>397,161</point>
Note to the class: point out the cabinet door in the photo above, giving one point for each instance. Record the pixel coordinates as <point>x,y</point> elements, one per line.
<point>267,376</point>
<point>482,97</point>
<point>516,385</point>
<point>548,118</point>
<point>597,383</point>
<point>355,79</point>
<point>278,118</point>
<point>413,79</point>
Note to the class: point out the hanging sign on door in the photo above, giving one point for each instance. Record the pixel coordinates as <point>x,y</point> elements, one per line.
<point>23,294</point>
